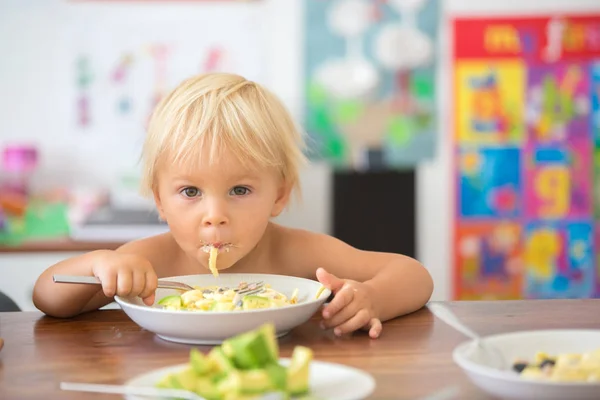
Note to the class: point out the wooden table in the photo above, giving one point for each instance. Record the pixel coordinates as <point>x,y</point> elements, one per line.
<point>58,245</point>
<point>411,359</point>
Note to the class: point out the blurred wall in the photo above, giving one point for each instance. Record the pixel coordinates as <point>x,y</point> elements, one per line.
<point>30,50</point>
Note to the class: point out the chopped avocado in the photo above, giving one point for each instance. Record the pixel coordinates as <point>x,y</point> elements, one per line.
<point>165,382</point>
<point>173,300</point>
<point>185,379</point>
<point>242,350</point>
<point>299,371</point>
<point>244,367</point>
<point>222,364</point>
<point>253,349</point>
<point>238,384</point>
<point>200,363</point>
<point>268,332</point>
<point>277,375</point>
<point>230,384</point>
<point>206,388</point>
<point>254,381</point>
<point>255,302</point>
<point>174,383</point>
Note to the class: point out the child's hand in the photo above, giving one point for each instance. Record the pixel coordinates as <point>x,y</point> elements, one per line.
<point>351,308</point>
<point>126,275</point>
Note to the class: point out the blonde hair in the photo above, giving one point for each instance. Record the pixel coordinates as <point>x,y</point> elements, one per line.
<point>220,111</point>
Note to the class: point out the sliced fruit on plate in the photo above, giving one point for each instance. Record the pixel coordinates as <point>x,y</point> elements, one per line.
<point>244,367</point>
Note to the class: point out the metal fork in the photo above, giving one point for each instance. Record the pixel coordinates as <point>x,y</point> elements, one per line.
<point>95,281</point>
<point>251,289</point>
<point>147,391</point>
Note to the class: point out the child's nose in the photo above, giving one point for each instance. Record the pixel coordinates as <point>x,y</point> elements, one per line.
<point>215,220</point>
<point>215,216</point>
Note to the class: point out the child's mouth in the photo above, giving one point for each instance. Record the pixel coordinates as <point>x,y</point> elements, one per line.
<point>221,246</point>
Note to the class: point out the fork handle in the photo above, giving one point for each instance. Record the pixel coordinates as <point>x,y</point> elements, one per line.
<point>128,390</point>
<point>95,281</point>
<point>76,279</point>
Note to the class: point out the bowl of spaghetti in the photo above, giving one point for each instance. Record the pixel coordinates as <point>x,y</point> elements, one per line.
<point>217,307</point>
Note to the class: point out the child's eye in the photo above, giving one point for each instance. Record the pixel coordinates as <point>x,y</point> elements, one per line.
<point>190,192</point>
<point>239,191</point>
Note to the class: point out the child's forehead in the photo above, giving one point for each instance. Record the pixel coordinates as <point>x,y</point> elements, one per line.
<point>223,166</point>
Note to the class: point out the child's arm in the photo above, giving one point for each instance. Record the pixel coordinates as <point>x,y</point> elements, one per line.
<point>369,286</point>
<point>129,270</point>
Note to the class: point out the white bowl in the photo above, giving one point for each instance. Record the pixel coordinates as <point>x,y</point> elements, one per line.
<point>209,327</point>
<point>507,384</point>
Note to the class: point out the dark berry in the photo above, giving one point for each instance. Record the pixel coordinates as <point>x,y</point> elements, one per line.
<point>547,362</point>
<point>519,367</point>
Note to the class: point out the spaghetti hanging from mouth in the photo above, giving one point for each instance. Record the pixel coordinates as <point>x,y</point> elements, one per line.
<point>212,261</point>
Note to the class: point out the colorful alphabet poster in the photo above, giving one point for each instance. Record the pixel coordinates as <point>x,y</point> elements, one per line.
<point>527,157</point>
<point>558,259</point>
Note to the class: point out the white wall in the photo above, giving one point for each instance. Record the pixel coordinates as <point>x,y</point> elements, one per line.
<point>33,55</point>
<point>28,45</point>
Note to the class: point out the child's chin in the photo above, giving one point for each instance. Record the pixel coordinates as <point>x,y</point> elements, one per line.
<point>220,268</point>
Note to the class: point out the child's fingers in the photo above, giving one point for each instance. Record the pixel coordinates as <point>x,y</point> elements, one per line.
<point>138,283</point>
<point>340,317</point>
<point>375,328</point>
<point>151,281</point>
<point>124,283</point>
<point>355,323</point>
<point>328,280</point>
<point>340,300</point>
<point>149,300</point>
<point>109,283</point>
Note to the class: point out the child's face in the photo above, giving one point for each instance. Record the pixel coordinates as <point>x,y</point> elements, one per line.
<point>223,205</point>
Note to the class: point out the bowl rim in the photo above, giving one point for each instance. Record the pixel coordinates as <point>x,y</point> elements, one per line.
<point>123,300</point>
<point>509,376</point>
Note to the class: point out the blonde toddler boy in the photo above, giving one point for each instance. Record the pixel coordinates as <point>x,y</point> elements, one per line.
<point>221,159</point>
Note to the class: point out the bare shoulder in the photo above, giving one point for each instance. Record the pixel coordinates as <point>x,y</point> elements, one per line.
<point>162,251</point>
<point>301,253</point>
<point>293,250</point>
<point>293,240</point>
<point>290,237</point>
<point>154,246</point>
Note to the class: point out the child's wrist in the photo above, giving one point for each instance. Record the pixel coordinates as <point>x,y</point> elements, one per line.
<point>373,291</point>
<point>96,259</point>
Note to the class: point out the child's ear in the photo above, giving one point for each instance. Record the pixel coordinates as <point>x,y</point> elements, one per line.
<point>283,197</point>
<point>158,203</point>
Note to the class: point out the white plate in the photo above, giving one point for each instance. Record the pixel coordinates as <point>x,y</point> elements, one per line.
<point>209,327</point>
<point>328,381</point>
<point>507,384</point>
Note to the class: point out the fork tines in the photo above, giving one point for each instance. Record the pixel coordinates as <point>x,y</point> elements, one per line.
<point>252,287</point>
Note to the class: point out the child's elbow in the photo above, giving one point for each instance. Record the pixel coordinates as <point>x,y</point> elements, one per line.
<point>43,302</point>
<point>426,285</point>
<point>40,302</point>
<point>52,311</point>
